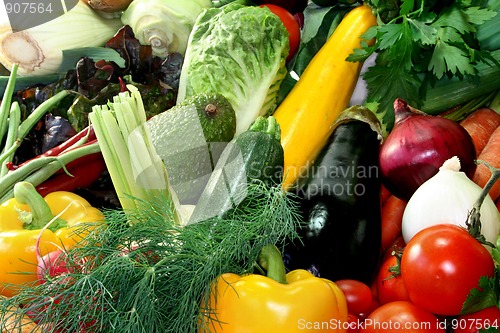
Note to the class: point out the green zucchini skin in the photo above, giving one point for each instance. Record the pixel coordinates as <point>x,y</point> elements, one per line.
<point>255,155</point>
<point>262,155</point>
<point>340,205</point>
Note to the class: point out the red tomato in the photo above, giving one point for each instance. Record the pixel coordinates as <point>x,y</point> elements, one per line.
<point>375,305</point>
<point>353,323</point>
<point>401,317</point>
<point>440,265</point>
<point>390,285</point>
<point>291,25</point>
<point>358,295</point>
<point>473,322</point>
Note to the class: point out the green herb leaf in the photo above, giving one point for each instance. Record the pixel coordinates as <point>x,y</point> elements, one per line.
<point>424,42</point>
<point>486,295</point>
<point>422,32</point>
<point>406,6</point>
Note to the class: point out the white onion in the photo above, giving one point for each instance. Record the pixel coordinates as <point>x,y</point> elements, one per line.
<point>447,197</point>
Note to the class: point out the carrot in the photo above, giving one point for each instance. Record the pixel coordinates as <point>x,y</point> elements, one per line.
<point>384,194</point>
<point>480,125</point>
<point>490,154</point>
<point>392,217</point>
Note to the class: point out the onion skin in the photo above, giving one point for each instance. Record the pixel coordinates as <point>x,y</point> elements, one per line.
<point>109,6</point>
<point>417,146</point>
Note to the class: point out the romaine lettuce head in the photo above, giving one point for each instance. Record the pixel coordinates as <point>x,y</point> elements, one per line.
<point>237,51</point>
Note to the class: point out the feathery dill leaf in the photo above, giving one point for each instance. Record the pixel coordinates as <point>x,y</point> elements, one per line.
<point>143,273</point>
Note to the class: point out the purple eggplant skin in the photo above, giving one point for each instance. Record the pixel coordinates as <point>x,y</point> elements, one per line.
<point>340,206</point>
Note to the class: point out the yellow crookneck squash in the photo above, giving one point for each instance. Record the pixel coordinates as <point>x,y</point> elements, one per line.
<point>275,303</point>
<point>308,113</point>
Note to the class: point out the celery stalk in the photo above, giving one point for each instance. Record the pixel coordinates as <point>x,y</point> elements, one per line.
<point>136,170</point>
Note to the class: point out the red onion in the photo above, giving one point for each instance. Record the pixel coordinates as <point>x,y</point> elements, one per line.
<point>417,146</point>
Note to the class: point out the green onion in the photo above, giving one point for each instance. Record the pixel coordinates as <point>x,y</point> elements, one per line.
<point>136,170</point>
<point>12,140</point>
<point>7,100</point>
<point>487,33</point>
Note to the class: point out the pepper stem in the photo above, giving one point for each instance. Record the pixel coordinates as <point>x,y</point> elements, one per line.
<point>270,259</point>
<point>26,194</point>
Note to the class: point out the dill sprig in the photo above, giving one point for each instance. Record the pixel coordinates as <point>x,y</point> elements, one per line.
<point>141,272</point>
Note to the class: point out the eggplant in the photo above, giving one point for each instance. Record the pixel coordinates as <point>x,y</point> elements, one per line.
<point>340,204</point>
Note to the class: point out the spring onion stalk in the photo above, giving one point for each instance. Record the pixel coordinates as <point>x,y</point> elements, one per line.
<point>495,103</point>
<point>7,100</point>
<point>38,170</point>
<point>136,170</point>
<point>164,24</point>
<point>487,33</point>
<point>12,141</point>
<point>17,130</point>
<point>39,50</point>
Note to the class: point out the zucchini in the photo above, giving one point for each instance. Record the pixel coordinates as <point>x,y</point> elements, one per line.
<point>255,155</point>
<point>340,204</point>
<point>189,138</point>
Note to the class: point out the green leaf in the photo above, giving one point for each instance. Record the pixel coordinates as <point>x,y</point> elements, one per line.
<point>423,33</point>
<point>389,35</point>
<point>448,58</point>
<point>406,7</point>
<point>454,17</point>
<point>478,16</point>
<point>385,84</point>
<point>486,295</point>
<point>402,50</point>
<point>495,252</point>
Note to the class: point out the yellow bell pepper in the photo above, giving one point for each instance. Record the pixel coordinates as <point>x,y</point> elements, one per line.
<point>276,303</point>
<point>23,219</point>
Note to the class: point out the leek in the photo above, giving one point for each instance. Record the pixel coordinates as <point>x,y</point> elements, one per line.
<point>136,170</point>
<point>448,93</point>
<point>39,50</point>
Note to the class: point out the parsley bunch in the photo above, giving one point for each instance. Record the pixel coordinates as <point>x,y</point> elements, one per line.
<point>419,42</point>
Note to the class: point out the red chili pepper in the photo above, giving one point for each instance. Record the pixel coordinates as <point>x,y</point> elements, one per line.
<point>66,145</point>
<point>82,160</point>
<point>84,175</point>
<point>123,85</point>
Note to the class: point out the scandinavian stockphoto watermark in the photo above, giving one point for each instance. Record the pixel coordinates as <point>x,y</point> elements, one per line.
<point>395,326</point>
<point>25,14</point>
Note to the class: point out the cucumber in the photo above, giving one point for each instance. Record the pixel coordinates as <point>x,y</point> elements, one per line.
<point>190,138</point>
<point>255,155</point>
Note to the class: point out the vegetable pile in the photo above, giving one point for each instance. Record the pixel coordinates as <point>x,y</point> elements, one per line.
<point>252,166</point>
